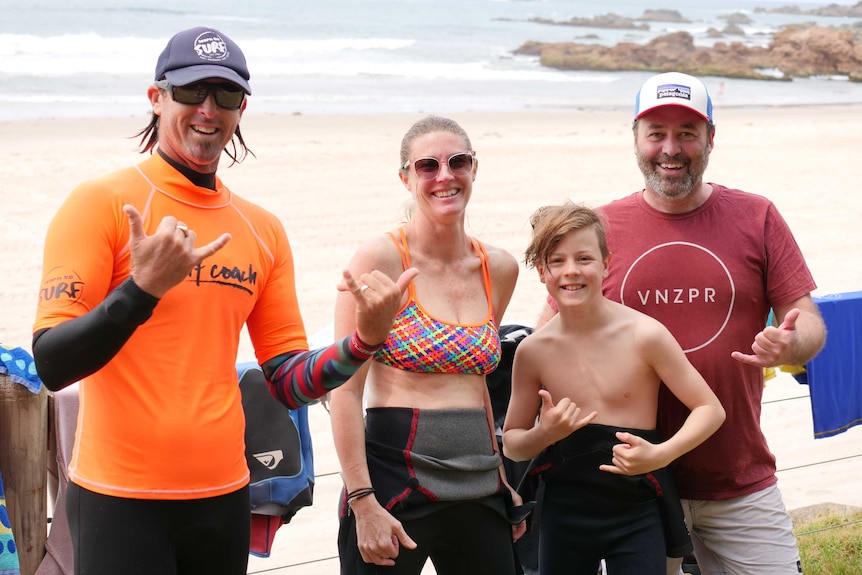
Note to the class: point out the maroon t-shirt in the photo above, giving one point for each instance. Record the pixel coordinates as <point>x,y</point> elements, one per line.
<point>711,276</point>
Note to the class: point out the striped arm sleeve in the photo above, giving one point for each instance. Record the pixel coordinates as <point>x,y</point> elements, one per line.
<point>298,378</point>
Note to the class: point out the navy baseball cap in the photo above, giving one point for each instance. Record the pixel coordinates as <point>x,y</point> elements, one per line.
<point>200,53</point>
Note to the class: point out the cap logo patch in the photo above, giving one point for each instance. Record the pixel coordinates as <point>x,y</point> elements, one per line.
<point>673,91</point>
<point>209,46</point>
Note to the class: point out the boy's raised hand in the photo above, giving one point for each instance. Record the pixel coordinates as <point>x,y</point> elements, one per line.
<point>559,420</point>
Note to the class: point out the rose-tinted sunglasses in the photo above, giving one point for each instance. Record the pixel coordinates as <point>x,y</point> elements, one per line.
<point>459,164</point>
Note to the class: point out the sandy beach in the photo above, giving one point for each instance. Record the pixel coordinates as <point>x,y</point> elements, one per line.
<point>332,180</point>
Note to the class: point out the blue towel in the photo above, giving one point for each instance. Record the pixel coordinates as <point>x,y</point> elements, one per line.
<point>18,364</point>
<point>835,375</point>
<point>8,552</point>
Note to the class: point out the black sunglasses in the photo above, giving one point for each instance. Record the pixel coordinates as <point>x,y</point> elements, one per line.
<point>227,96</point>
<point>459,164</point>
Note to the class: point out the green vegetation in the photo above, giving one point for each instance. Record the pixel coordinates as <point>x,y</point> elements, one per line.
<point>831,544</point>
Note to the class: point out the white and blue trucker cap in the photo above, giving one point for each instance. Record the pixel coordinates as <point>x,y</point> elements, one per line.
<point>674,89</point>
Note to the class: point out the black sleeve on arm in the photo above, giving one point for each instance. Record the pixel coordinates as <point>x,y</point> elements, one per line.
<point>79,347</point>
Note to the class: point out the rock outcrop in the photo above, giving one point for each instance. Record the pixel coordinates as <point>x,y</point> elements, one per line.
<point>663,16</point>
<point>612,20</point>
<point>604,21</point>
<point>738,18</point>
<point>836,10</point>
<point>794,52</point>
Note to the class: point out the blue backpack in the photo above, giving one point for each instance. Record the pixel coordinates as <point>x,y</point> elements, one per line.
<point>278,449</point>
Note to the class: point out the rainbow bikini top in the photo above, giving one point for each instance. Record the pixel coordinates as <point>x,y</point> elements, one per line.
<point>419,342</point>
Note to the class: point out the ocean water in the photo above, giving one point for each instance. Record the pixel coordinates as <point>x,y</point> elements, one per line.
<point>84,58</point>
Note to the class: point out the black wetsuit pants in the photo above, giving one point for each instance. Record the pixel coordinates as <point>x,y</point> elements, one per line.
<point>117,535</point>
<point>577,531</point>
<point>462,539</point>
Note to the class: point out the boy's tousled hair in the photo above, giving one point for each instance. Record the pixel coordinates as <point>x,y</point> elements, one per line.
<point>552,223</point>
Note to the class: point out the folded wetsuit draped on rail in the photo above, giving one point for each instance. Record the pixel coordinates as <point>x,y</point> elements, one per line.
<point>575,460</point>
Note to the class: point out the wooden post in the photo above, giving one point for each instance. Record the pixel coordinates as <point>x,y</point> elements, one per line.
<point>23,464</point>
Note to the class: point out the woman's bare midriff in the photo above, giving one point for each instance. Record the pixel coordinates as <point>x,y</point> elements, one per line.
<point>390,387</point>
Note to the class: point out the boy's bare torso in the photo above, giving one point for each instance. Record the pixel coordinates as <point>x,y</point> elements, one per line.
<point>601,369</point>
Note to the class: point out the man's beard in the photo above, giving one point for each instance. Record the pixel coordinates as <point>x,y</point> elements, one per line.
<point>674,187</point>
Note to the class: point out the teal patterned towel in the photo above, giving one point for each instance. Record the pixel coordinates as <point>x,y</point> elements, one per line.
<point>8,551</point>
<point>18,364</point>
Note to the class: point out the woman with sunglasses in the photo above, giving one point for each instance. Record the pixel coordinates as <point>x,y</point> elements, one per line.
<point>423,477</point>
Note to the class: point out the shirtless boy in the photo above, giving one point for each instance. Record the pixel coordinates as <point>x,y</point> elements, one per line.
<point>592,375</point>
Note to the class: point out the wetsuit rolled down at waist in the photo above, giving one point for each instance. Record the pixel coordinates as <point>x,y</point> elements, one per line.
<point>575,461</point>
<point>432,465</point>
<point>421,459</point>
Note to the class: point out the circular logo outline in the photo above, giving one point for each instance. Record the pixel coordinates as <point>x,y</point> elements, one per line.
<point>711,254</point>
<point>203,43</point>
